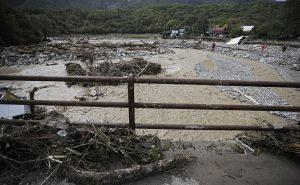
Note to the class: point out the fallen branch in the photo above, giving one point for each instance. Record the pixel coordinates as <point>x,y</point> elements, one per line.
<point>143,70</point>
<point>33,90</point>
<point>111,62</point>
<point>144,42</point>
<point>277,143</point>
<point>248,97</point>
<point>245,146</point>
<point>51,174</point>
<point>55,158</point>
<point>125,175</point>
<point>21,162</point>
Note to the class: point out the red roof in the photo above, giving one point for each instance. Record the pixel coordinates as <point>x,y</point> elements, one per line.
<point>219,30</point>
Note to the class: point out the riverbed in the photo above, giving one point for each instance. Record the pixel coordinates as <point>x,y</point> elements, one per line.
<point>180,63</point>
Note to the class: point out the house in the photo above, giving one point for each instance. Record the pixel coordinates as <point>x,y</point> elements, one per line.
<point>181,33</point>
<point>174,34</point>
<point>248,30</point>
<point>12,111</point>
<point>218,31</point>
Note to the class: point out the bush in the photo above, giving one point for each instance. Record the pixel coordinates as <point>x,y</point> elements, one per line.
<point>236,32</point>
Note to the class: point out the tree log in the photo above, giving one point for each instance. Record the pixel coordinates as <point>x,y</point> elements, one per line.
<point>121,176</point>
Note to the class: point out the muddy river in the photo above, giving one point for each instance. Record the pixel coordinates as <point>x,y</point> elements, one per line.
<point>181,64</point>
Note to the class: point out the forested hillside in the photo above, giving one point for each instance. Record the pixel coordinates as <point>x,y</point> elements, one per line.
<point>272,20</point>
<point>107,4</point>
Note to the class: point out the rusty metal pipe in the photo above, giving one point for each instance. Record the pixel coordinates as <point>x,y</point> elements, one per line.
<point>131,113</point>
<point>217,82</point>
<point>155,105</point>
<point>153,81</point>
<point>217,107</point>
<point>64,78</point>
<point>164,126</point>
<point>65,103</point>
<point>31,97</point>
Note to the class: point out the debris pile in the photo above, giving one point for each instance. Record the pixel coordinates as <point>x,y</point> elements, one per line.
<point>75,149</point>
<point>136,66</point>
<point>273,142</point>
<point>67,51</point>
<point>74,69</point>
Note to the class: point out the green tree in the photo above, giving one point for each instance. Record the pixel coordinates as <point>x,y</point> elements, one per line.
<point>9,30</point>
<point>200,25</point>
<point>291,14</point>
<point>173,24</point>
<point>236,32</point>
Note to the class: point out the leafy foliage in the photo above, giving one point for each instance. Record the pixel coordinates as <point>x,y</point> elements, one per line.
<point>107,4</point>
<point>272,20</point>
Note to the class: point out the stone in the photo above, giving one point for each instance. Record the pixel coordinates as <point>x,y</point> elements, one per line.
<point>262,60</point>
<point>296,67</point>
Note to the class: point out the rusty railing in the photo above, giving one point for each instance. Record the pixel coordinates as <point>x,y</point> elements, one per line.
<point>131,105</point>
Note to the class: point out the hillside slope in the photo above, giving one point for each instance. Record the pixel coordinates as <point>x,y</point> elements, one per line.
<point>106,4</point>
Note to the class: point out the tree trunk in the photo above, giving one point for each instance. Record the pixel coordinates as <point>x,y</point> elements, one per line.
<point>121,176</point>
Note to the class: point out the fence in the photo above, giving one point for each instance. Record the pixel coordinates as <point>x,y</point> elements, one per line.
<point>131,105</point>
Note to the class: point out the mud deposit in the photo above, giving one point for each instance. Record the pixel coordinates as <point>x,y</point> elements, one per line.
<point>176,59</point>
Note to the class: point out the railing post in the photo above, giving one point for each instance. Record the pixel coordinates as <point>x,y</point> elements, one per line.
<point>31,97</point>
<point>131,102</point>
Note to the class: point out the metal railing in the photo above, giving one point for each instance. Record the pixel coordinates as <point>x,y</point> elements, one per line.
<point>131,105</point>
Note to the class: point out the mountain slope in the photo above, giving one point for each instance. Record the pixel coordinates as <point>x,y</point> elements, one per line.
<point>106,4</point>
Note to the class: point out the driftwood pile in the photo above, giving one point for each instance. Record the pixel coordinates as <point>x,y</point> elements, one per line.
<point>86,51</point>
<point>96,146</point>
<point>136,66</point>
<point>84,155</point>
<point>69,51</point>
<point>74,69</point>
<point>80,48</point>
<point>283,143</point>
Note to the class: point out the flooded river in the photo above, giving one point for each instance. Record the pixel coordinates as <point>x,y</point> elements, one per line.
<point>180,64</point>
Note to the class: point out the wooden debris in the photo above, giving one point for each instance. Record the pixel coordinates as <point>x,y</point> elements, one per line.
<point>84,147</point>
<point>248,97</point>
<point>294,146</point>
<point>136,66</point>
<point>121,176</point>
<point>143,70</point>
<point>273,142</point>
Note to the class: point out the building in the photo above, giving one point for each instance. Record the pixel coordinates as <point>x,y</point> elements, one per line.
<point>218,31</point>
<point>181,33</point>
<point>174,34</point>
<point>248,31</point>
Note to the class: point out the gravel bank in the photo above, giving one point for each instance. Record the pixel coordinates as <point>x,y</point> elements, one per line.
<point>283,62</point>
<point>233,70</point>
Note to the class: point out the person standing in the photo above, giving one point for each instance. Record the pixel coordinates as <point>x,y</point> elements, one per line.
<point>283,48</point>
<point>213,46</point>
<point>263,47</point>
